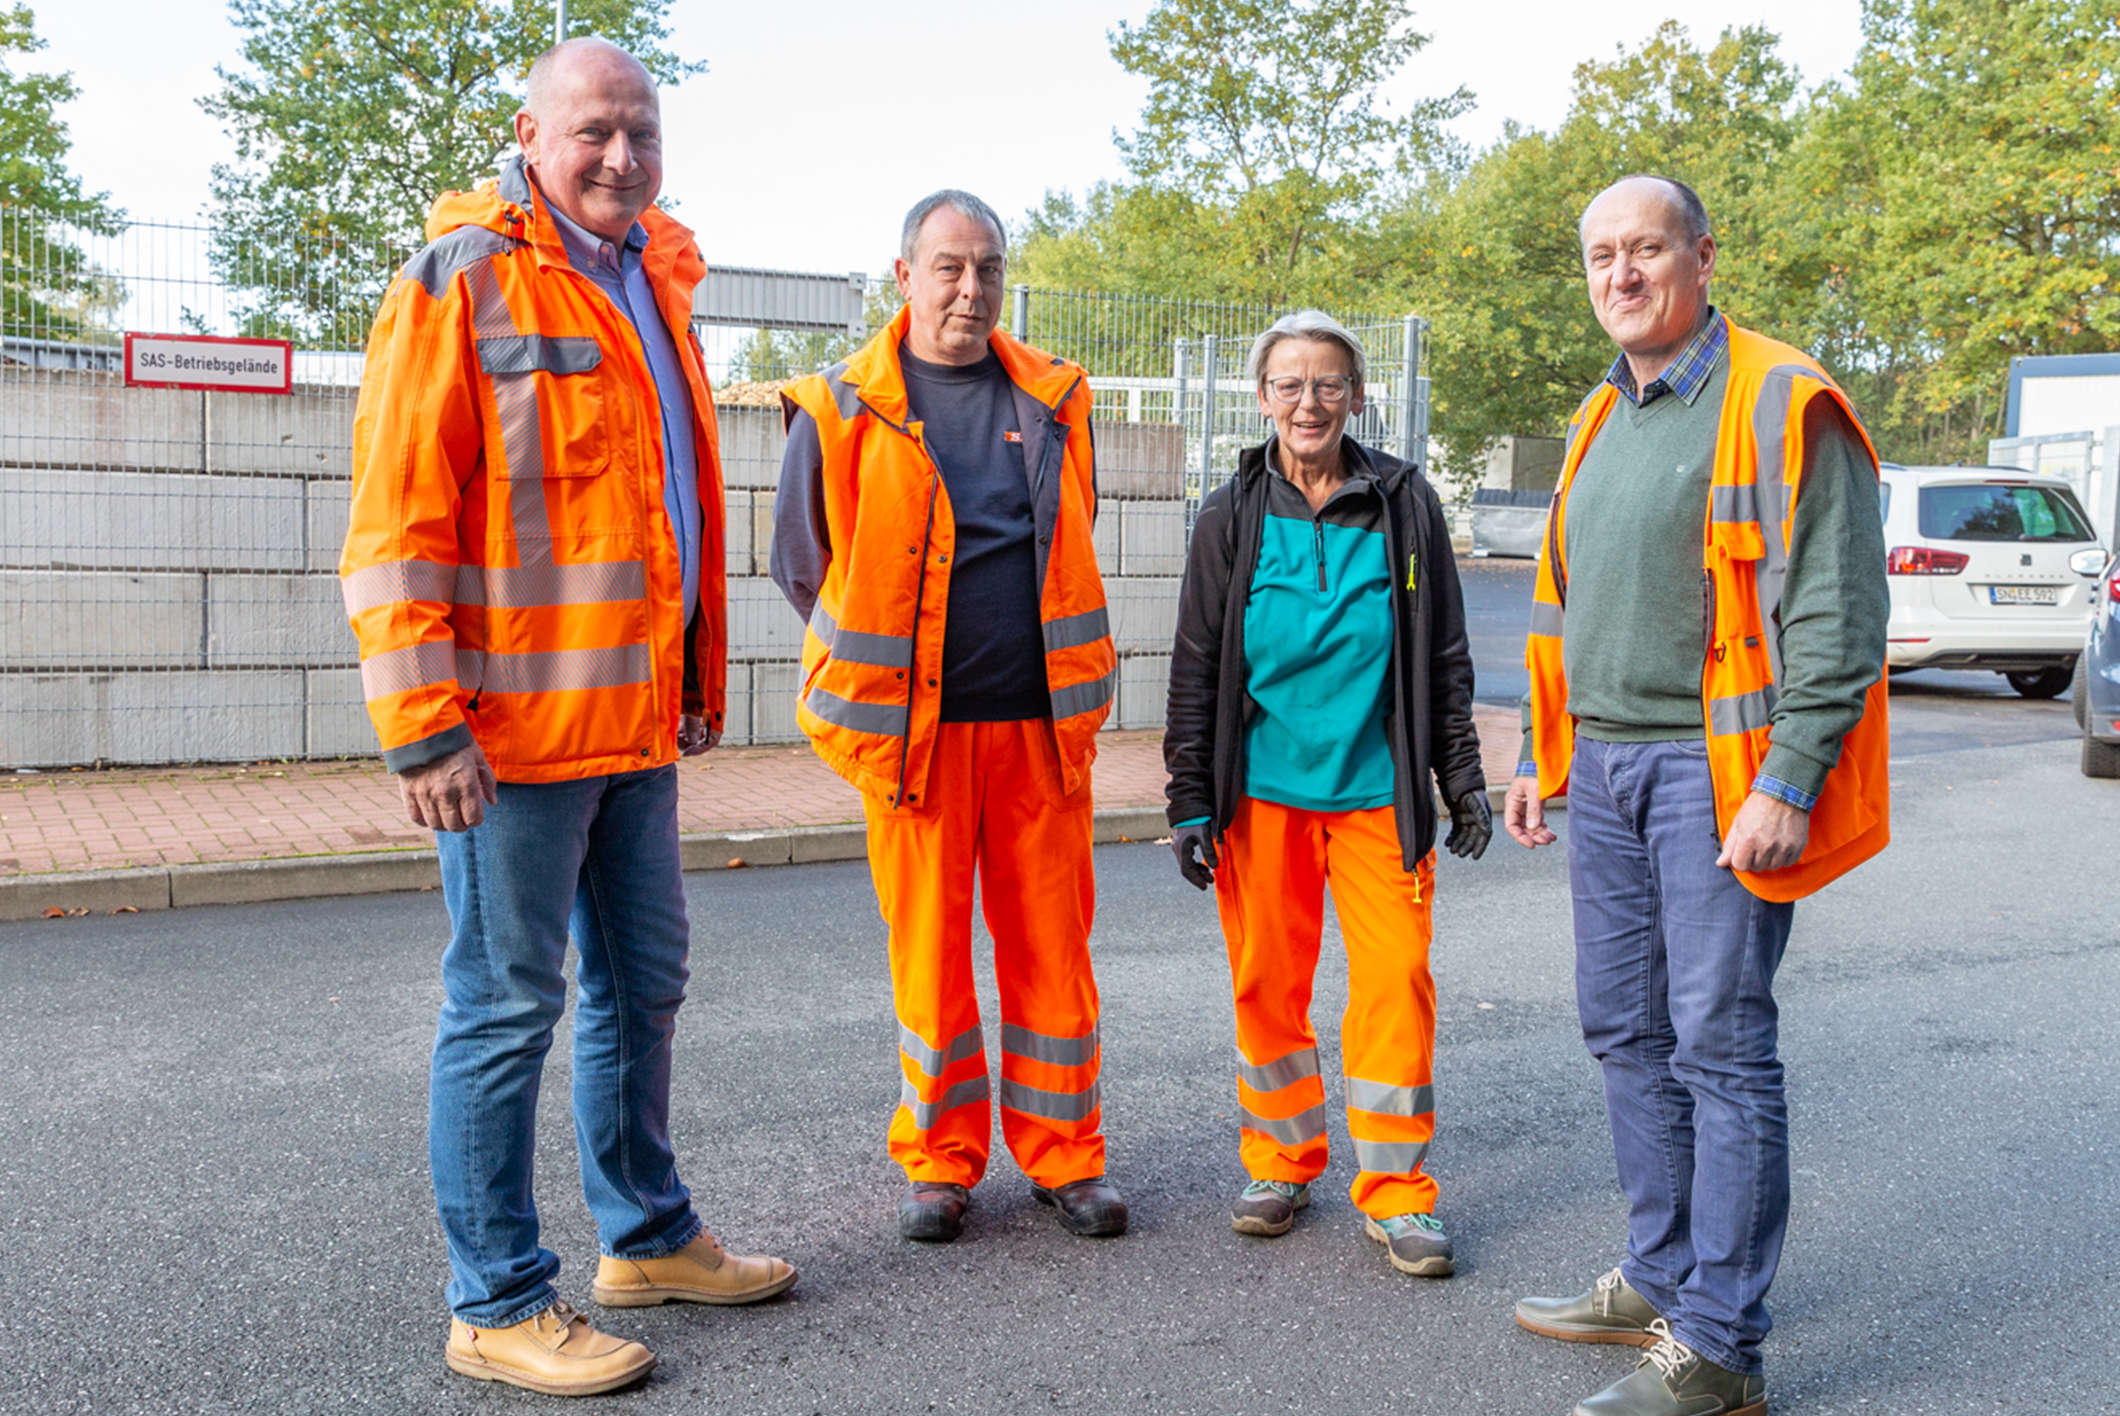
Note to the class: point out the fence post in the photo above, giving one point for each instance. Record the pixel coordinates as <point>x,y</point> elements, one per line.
<point>1020,318</point>
<point>1179,348</point>
<point>1413,394</point>
<point>1213,370</point>
<point>559,21</point>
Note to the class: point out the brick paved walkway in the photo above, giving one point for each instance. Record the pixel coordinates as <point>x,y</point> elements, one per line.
<point>88,820</point>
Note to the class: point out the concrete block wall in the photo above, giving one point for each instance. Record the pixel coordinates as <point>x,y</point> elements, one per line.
<point>169,591</point>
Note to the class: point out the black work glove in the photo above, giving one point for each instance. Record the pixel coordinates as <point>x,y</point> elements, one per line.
<point>1471,825</point>
<point>1194,846</point>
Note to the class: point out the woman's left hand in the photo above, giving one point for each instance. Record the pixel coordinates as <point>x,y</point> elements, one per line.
<point>1471,825</point>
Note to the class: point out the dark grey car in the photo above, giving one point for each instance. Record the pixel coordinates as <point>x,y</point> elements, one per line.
<point>2097,687</point>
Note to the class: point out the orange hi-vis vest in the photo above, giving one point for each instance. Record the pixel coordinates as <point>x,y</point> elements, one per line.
<point>1750,519</point>
<point>872,652</point>
<point>509,567</point>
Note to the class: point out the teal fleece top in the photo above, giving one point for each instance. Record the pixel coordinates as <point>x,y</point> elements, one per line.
<point>1317,641</point>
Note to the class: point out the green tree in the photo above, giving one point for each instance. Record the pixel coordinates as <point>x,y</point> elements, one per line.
<point>1264,143</point>
<point>1496,261</point>
<point>1957,202</point>
<point>349,118</point>
<point>46,285</point>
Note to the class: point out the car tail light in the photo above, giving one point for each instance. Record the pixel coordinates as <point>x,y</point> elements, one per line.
<point>1920,560</point>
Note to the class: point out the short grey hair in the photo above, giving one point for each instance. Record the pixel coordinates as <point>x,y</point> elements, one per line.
<point>1692,212</point>
<point>1314,325</point>
<point>963,203</point>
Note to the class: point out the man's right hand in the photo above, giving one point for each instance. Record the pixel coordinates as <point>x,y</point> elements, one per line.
<point>1524,815</point>
<point>450,793</point>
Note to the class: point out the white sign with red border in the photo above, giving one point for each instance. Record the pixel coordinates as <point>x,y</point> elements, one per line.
<point>206,361</point>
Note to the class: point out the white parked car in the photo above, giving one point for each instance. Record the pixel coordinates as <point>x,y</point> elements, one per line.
<point>1990,568</point>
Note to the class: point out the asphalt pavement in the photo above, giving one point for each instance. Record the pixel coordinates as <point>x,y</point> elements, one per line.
<point>213,1155</point>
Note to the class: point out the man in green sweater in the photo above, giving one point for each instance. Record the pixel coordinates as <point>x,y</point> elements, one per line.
<point>1696,538</point>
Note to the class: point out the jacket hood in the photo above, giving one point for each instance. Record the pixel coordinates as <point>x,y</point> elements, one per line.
<point>510,205</point>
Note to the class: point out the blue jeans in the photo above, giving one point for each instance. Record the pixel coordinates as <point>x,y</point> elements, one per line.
<point>1674,979</point>
<point>601,854</point>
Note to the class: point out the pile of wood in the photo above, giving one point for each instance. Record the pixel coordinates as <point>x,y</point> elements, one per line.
<point>761,393</point>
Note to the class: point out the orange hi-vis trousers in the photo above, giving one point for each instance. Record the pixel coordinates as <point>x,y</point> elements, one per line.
<point>1270,887</point>
<point>994,803</point>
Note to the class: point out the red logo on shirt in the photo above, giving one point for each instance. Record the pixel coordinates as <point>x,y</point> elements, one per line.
<point>1012,437</point>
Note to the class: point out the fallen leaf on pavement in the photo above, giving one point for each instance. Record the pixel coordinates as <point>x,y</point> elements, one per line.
<point>54,912</point>
<point>736,863</point>
<point>126,909</point>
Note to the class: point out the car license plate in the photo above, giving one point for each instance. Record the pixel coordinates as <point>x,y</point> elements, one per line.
<point>2024,595</point>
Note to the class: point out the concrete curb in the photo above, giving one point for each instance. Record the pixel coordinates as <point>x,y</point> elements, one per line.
<point>381,872</point>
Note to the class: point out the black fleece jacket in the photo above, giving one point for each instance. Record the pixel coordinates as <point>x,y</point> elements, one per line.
<point>1430,726</point>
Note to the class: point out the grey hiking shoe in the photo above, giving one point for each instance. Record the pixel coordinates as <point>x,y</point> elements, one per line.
<point>1268,1207</point>
<point>1612,1311</point>
<point>1416,1243</point>
<point>1674,1380</point>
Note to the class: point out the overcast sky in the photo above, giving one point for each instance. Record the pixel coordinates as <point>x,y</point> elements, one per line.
<point>818,123</point>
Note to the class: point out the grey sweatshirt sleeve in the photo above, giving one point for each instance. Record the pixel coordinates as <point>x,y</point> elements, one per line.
<point>802,542</point>
<point>1835,603</point>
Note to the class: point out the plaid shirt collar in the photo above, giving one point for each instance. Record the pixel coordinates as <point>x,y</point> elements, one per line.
<point>1688,373</point>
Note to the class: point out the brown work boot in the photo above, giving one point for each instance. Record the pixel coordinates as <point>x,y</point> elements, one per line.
<point>555,1352</point>
<point>700,1272</point>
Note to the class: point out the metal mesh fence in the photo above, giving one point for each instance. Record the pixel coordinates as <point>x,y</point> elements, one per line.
<point>168,557</point>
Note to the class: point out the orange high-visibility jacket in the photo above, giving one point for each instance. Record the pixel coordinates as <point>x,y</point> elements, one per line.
<point>1749,520</point>
<point>862,546</point>
<point>509,567</point>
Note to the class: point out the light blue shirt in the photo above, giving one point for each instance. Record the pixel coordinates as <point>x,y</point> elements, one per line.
<point>618,272</point>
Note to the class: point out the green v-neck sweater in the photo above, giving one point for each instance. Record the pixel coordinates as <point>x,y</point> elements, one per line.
<point>1637,628</point>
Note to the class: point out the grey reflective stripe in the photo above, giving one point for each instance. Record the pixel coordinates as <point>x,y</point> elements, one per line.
<point>845,396</point>
<point>927,1113</point>
<point>853,646</point>
<point>555,354</point>
<point>934,1061</point>
<point>1075,630</point>
<point>1546,619</point>
<point>882,719</point>
<point>1733,503</point>
<point>1742,712</point>
<point>394,581</point>
<point>558,670</point>
<point>1390,1157</point>
<point>1281,1072</point>
<point>1053,1106</point>
<point>1363,1095</point>
<point>520,587</point>
<point>1293,1130</point>
<point>1084,697</point>
<point>1040,1047</point>
<point>522,434</point>
<point>1770,418</point>
<point>415,666</point>
<point>437,264</point>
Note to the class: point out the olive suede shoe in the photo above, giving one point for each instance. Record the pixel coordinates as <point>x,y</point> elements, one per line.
<point>1091,1208</point>
<point>932,1211</point>
<point>555,1352</point>
<point>700,1272</point>
<point>1268,1207</point>
<point>1612,1311</point>
<point>1674,1380</point>
<point>1416,1243</point>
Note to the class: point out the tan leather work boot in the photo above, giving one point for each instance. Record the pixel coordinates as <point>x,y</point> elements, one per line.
<point>555,1352</point>
<point>700,1272</point>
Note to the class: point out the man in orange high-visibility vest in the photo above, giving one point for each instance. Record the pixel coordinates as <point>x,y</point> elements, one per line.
<point>933,529</point>
<point>534,569</point>
<point>1707,688</point>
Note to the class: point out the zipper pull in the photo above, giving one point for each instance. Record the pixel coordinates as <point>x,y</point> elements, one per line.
<point>1413,560</point>
<point>1318,528</point>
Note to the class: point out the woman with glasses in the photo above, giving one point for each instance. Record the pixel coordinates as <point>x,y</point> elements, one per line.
<point>1320,679</point>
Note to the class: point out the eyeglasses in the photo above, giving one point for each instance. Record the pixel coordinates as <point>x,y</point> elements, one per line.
<point>1328,390</point>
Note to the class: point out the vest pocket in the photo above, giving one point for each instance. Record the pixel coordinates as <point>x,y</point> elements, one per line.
<point>548,396</point>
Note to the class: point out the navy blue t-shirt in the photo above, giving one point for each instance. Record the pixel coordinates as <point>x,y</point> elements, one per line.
<point>993,648</point>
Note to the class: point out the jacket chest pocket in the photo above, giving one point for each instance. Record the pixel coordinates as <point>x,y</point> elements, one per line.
<point>548,396</point>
